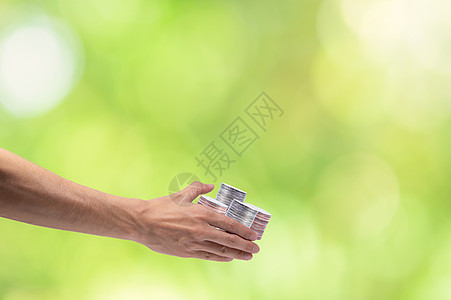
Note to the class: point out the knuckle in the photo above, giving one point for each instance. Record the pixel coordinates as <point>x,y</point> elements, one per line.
<point>195,185</point>
<point>200,233</point>
<point>193,246</point>
<point>198,212</point>
<point>204,214</point>
<point>187,245</point>
<point>232,225</point>
<point>223,249</point>
<point>233,239</point>
<point>176,197</point>
<point>196,230</point>
<point>192,234</point>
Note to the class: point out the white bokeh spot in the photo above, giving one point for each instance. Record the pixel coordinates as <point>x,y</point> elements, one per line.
<point>40,60</point>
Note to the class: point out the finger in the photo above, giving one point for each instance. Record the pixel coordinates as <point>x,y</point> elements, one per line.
<point>231,225</point>
<point>230,240</point>
<point>224,251</point>
<point>195,189</point>
<point>210,256</point>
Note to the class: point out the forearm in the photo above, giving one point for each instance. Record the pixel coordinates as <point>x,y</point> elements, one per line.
<point>31,194</point>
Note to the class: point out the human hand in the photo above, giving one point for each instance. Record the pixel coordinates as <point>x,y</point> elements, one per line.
<point>173,225</point>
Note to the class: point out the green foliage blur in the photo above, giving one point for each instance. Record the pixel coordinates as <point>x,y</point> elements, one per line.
<point>355,173</point>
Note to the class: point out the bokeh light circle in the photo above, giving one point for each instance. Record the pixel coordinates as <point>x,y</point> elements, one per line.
<point>357,196</point>
<point>396,27</point>
<point>429,36</point>
<point>40,60</point>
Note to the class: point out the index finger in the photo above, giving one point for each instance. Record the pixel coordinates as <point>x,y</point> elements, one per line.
<point>231,225</point>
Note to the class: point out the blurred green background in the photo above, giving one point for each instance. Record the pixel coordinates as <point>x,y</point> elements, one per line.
<point>355,173</point>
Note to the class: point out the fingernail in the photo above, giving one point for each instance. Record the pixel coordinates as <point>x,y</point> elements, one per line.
<point>247,256</point>
<point>211,185</point>
<point>256,249</point>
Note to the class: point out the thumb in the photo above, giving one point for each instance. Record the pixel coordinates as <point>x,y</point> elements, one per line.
<point>195,189</point>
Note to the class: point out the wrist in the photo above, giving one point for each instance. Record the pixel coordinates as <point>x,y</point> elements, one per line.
<point>134,229</point>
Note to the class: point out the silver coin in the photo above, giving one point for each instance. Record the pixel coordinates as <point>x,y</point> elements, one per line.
<point>227,193</point>
<point>212,203</point>
<point>241,212</point>
<point>230,201</point>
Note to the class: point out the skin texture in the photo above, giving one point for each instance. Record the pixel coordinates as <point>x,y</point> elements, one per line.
<point>170,225</point>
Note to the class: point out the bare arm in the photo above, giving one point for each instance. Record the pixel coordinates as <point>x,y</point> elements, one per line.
<point>170,225</point>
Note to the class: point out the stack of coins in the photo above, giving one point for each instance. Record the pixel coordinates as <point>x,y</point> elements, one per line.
<point>213,204</point>
<point>230,201</point>
<point>260,222</point>
<point>228,193</point>
<point>242,212</point>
